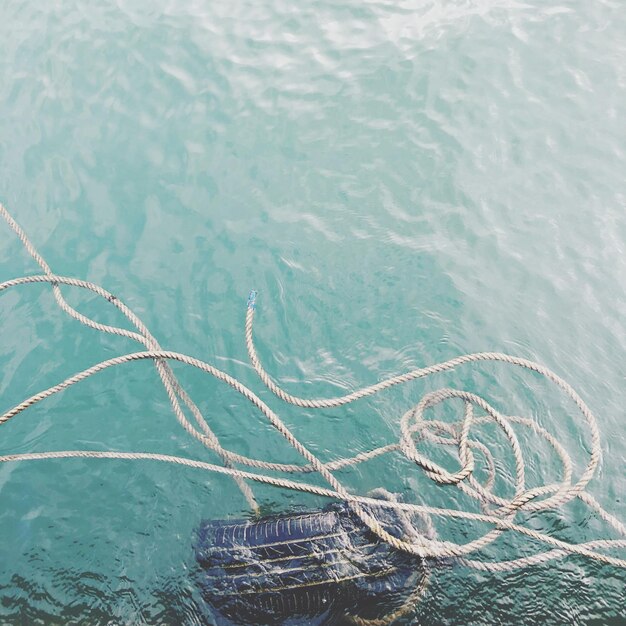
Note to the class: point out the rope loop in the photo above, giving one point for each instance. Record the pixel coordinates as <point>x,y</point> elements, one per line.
<point>498,511</point>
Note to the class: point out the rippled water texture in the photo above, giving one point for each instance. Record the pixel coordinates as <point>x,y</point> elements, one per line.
<point>402,180</point>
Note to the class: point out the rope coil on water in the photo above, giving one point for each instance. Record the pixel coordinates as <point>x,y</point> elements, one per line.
<point>498,511</point>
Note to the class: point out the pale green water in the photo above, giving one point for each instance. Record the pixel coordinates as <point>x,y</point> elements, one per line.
<point>402,182</point>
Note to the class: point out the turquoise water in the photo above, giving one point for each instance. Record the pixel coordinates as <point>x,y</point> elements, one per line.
<point>402,182</point>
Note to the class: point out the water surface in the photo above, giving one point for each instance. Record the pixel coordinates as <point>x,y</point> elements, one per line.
<point>402,181</point>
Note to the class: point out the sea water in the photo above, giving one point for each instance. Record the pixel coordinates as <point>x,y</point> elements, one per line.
<point>402,181</point>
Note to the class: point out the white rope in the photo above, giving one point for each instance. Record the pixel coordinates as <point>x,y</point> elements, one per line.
<point>172,387</point>
<point>498,511</point>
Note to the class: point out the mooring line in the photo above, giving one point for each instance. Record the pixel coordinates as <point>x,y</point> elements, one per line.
<point>414,426</point>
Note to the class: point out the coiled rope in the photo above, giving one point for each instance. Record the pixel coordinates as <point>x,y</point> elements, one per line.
<point>500,512</point>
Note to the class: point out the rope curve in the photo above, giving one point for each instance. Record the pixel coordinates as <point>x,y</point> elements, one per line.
<point>498,511</point>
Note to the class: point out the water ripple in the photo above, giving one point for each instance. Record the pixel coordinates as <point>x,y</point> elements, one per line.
<point>402,181</point>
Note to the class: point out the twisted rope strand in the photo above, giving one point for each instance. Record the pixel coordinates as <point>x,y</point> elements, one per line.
<point>170,382</point>
<point>413,426</point>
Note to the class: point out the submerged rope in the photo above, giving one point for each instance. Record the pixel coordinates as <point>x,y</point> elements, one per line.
<point>497,511</point>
